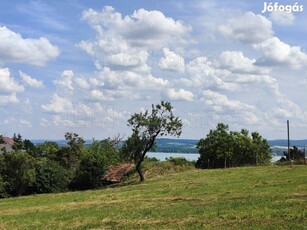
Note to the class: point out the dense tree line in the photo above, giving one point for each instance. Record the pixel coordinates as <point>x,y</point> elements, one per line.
<point>223,148</point>
<point>47,167</point>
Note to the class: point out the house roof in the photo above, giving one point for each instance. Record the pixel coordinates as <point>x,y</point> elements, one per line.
<point>116,173</point>
<point>8,140</point>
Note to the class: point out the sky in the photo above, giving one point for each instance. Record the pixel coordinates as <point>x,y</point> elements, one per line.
<point>87,66</point>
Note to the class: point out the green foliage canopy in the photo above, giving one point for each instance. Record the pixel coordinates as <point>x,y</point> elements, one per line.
<point>94,163</point>
<point>50,177</point>
<point>224,148</point>
<point>17,172</point>
<point>146,127</point>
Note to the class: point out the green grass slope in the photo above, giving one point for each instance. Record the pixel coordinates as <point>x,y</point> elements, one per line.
<point>271,197</point>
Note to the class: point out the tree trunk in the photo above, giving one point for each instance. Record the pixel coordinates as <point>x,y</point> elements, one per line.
<point>139,170</point>
<point>147,148</point>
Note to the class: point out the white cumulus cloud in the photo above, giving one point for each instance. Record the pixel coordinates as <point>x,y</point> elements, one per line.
<point>65,82</point>
<point>142,28</point>
<point>59,105</point>
<point>247,28</point>
<point>237,62</point>
<point>179,95</point>
<point>15,48</point>
<point>220,102</point>
<point>82,83</point>
<point>124,41</point>
<point>282,18</point>
<point>8,88</point>
<point>206,74</point>
<point>276,52</point>
<point>32,82</point>
<point>128,79</point>
<point>8,99</point>
<point>99,95</point>
<point>171,61</point>
<point>8,83</point>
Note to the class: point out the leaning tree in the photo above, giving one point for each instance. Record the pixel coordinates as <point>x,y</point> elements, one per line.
<point>146,127</point>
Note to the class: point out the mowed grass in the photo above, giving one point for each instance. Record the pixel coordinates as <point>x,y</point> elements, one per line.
<point>268,197</point>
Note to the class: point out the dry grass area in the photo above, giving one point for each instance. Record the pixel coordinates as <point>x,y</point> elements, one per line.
<point>268,197</point>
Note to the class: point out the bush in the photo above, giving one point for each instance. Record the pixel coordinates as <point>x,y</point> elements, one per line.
<point>3,192</point>
<point>93,165</point>
<point>179,161</point>
<point>224,148</point>
<point>50,177</point>
<point>150,159</point>
<point>17,172</point>
<point>48,149</point>
<point>2,182</point>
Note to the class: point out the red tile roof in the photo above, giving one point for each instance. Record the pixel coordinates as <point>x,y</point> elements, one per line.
<point>8,140</point>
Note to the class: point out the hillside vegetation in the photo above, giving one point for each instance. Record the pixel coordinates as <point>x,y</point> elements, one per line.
<point>270,197</point>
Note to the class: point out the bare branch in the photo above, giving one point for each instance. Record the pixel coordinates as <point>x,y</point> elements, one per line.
<point>117,139</point>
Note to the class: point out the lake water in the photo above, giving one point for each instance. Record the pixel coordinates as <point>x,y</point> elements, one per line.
<point>162,156</point>
<point>189,156</point>
<point>276,158</point>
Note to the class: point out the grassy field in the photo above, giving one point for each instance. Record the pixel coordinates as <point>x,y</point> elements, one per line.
<point>271,197</point>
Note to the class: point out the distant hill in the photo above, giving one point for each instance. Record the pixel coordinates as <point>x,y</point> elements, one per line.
<point>176,145</point>
<point>284,142</point>
<point>169,145</point>
<point>189,145</point>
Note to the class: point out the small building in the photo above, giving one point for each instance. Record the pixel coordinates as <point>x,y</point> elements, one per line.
<point>115,174</point>
<point>6,144</point>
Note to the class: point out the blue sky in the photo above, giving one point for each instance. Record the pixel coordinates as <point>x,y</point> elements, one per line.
<point>86,66</point>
